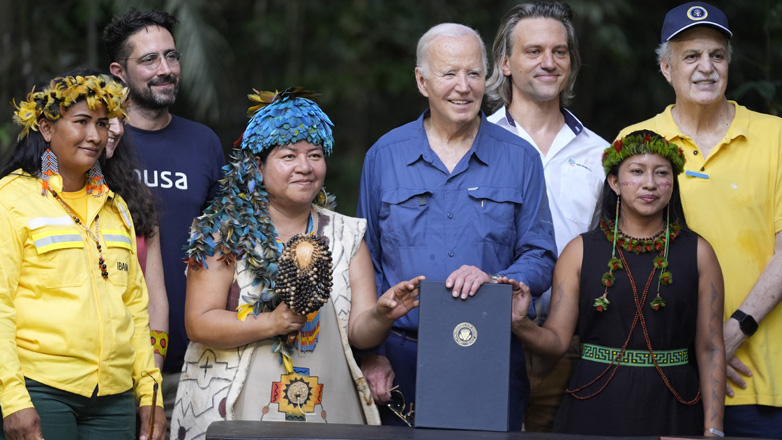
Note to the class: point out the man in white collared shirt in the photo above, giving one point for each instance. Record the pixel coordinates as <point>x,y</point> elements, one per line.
<point>536,62</point>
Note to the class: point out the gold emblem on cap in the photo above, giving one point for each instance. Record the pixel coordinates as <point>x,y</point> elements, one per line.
<point>694,13</point>
<point>465,334</point>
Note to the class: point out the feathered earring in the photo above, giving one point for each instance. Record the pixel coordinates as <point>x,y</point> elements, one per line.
<point>325,199</point>
<point>601,302</point>
<point>50,177</point>
<point>661,262</point>
<point>95,182</point>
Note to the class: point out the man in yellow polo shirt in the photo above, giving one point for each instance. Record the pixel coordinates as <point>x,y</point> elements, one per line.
<point>732,195</point>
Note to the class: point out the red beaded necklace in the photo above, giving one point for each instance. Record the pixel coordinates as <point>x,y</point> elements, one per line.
<point>95,236</point>
<point>658,242</point>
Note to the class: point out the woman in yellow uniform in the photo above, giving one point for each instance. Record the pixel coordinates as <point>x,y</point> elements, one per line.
<point>75,354</point>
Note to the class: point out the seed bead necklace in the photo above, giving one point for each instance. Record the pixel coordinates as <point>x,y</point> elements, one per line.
<point>653,238</point>
<point>95,236</point>
<point>658,242</point>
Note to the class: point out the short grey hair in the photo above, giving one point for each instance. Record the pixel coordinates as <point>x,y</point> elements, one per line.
<point>499,88</point>
<point>453,30</point>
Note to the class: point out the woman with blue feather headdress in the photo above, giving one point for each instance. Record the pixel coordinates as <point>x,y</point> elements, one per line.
<point>279,286</point>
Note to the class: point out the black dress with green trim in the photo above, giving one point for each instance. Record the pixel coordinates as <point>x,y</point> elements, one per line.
<point>622,392</point>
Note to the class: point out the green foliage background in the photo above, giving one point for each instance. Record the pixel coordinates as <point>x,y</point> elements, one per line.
<point>359,55</point>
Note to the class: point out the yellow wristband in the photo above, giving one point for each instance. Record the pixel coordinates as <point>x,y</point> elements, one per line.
<point>159,342</point>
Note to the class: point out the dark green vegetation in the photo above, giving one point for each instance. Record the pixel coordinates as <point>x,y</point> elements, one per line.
<point>359,55</point>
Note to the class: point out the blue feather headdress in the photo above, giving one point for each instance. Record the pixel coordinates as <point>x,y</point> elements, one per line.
<point>282,118</point>
<point>239,215</point>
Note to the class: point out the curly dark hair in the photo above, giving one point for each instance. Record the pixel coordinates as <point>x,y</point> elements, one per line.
<point>117,33</point>
<point>121,176</point>
<point>119,171</point>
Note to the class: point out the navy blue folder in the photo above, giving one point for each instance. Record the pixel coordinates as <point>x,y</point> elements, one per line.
<point>462,378</point>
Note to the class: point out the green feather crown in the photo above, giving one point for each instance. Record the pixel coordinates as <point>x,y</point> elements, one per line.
<point>642,142</point>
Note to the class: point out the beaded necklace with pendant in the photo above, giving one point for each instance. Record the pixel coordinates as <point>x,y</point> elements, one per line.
<point>94,236</point>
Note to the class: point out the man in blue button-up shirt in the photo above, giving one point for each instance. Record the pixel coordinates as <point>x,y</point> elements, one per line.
<point>456,198</point>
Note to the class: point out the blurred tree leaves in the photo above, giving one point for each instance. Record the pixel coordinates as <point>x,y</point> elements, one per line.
<point>359,55</point>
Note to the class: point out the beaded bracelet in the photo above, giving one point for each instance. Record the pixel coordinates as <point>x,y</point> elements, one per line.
<point>159,340</point>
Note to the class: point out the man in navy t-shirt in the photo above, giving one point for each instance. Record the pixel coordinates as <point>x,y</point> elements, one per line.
<point>181,160</point>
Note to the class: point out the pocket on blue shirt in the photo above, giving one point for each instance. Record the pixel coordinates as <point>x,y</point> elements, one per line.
<point>404,215</point>
<point>495,213</point>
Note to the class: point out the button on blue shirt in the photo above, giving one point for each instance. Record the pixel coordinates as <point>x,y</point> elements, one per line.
<point>490,212</point>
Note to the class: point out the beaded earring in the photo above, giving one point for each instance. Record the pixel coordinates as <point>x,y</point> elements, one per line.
<point>95,182</point>
<point>50,177</point>
<point>661,262</point>
<point>602,302</point>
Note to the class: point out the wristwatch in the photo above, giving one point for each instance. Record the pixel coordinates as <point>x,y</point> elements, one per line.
<point>747,323</point>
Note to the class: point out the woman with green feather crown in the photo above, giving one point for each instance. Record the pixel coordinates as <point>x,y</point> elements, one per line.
<point>645,295</point>
<point>281,348</point>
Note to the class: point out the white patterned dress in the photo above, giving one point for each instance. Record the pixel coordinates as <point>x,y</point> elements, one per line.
<point>212,379</point>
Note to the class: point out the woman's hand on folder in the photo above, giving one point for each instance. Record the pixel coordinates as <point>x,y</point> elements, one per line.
<point>521,301</point>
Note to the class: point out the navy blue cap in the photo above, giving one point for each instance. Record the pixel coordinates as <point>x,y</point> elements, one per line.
<point>693,14</point>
